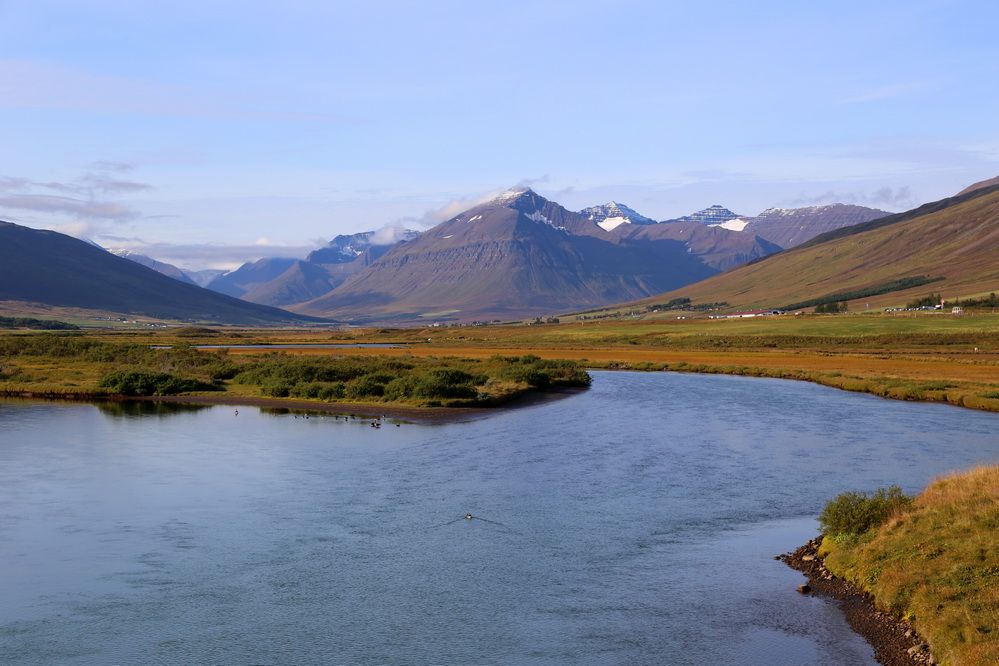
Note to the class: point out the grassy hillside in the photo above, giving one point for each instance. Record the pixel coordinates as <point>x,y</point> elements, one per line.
<point>954,240</point>
<point>936,563</point>
<point>57,270</point>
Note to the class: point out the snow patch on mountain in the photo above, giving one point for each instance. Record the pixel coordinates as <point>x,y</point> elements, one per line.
<point>737,224</point>
<point>612,215</point>
<point>612,222</point>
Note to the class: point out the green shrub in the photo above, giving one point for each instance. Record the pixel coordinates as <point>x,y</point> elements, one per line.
<point>140,383</point>
<point>328,391</point>
<point>855,513</point>
<point>400,388</point>
<point>368,386</point>
<point>447,383</point>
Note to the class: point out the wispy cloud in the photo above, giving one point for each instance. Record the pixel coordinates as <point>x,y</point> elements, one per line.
<point>889,197</point>
<point>82,198</point>
<point>889,91</point>
<point>78,208</point>
<point>198,256</point>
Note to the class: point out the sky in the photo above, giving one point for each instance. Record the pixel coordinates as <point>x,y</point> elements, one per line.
<point>211,133</point>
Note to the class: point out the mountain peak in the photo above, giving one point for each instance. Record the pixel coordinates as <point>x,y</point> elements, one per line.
<point>613,214</point>
<point>715,214</point>
<point>511,195</point>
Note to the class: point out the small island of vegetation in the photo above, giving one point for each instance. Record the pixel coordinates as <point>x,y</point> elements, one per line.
<point>78,366</point>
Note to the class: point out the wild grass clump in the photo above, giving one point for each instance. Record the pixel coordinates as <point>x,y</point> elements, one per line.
<point>851,514</point>
<point>936,562</point>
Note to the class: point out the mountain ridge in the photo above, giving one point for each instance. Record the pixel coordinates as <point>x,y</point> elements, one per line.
<point>51,268</point>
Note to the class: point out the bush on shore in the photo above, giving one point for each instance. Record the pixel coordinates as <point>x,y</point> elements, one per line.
<point>852,514</point>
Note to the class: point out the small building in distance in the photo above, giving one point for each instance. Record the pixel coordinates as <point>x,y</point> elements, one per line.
<point>748,313</point>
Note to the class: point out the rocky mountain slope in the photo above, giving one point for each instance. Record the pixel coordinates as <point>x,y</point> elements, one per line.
<point>522,255</point>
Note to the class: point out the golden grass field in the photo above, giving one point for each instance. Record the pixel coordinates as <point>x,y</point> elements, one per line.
<point>915,356</point>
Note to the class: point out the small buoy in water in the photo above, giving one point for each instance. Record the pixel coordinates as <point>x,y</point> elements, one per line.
<point>237,412</point>
<point>468,516</point>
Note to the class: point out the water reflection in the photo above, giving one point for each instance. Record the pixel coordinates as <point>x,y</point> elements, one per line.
<point>141,408</point>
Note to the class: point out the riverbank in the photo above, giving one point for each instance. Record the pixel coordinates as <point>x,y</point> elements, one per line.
<point>894,640</point>
<point>933,562</point>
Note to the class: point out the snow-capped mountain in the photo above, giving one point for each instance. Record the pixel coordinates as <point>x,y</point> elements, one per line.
<point>613,214</point>
<point>714,215</point>
<point>523,255</point>
<point>788,227</point>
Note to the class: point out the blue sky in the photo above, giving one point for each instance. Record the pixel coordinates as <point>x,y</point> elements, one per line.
<point>205,133</point>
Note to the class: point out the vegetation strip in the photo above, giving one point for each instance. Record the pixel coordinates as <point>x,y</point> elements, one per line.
<point>80,365</point>
<point>875,290</point>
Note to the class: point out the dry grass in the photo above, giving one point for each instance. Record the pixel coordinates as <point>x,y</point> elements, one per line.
<point>937,564</point>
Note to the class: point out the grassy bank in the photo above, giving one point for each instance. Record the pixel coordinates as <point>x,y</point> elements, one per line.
<point>81,365</point>
<point>935,562</point>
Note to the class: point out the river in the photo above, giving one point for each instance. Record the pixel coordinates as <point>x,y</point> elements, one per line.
<point>634,523</point>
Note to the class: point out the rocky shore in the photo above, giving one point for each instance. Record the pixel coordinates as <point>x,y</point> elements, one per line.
<point>895,641</point>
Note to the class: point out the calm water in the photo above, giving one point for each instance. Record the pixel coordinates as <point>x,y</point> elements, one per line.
<point>634,524</point>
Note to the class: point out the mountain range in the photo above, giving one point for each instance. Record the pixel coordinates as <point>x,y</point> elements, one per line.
<point>518,255</point>
<point>521,255</point>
